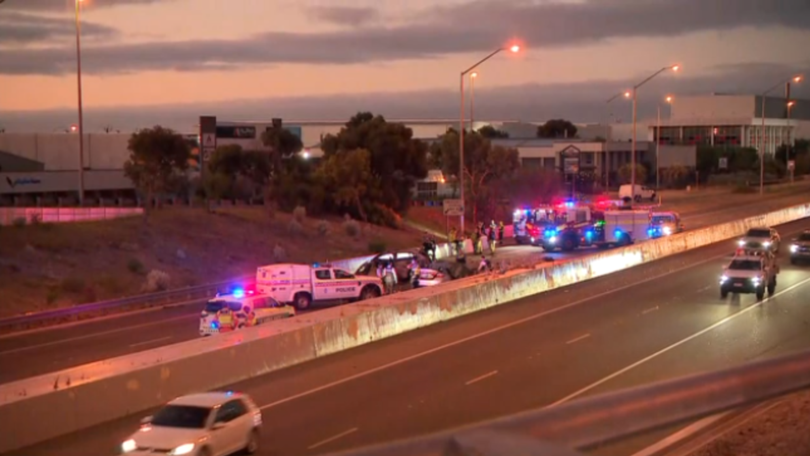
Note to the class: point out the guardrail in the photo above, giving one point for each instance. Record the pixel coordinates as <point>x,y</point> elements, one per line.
<point>162,297</point>
<point>583,424</point>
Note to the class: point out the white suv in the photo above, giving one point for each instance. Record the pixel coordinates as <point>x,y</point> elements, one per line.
<point>206,424</point>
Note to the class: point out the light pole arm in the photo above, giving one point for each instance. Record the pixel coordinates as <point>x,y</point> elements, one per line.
<point>493,54</point>
<point>651,77</point>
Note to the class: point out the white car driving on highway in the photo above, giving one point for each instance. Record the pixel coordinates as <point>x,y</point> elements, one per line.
<point>760,237</point>
<point>206,424</point>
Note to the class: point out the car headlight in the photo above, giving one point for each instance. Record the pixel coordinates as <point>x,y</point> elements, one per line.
<point>741,242</point>
<point>186,448</point>
<point>756,280</point>
<point>766,244</point>
<point>794,248</point>
<point>128,446</point>
<point>723,279</point>
<point>552,239</point>
<point>667,230</point>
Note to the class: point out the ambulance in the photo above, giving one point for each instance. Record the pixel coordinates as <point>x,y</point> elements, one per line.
<point>302,284</point>
<point>241,304</point>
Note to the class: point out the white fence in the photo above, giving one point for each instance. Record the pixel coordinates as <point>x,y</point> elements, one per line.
<point>10,215</point>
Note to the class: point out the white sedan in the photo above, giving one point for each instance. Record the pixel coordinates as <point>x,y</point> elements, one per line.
<point>206,424</point>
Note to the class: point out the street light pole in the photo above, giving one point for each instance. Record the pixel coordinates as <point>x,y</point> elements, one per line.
<point>79,87</point>
<point>609,136</point>
<point>762,132</point>
<point>657,136</point>
<point>633,152</point>
<point>515,49</point>
<point>473,76</point>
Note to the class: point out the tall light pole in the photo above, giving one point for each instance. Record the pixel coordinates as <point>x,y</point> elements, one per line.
<point>657,136</point>
<point>635,97</point>
<point>762,132</point>
<point>79,87</point>
<point>610,135</point>
<point>515,49</point>
<point>473,77</point>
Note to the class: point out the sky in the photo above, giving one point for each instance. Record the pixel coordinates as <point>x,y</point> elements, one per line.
<point>147,62</point>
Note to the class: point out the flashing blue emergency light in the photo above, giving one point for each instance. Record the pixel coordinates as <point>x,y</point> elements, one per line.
<point>238,293</point>
<point>214,325</point>
<point>589,234</point>
<point>650,232</point>
<point>316,265</point>
<point>618,234</point>
<point>229,393</point>
<point>569,204</point>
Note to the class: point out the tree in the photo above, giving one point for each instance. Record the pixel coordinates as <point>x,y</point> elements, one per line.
<point>675,175</point>
<point>490,132</point>
<point>626,174</point>
<point>282,142</point>
<point>157,156</point>
<point>348,179</point>
<point>236,173</point>
<point>398,160</point>
<point>557,128</point>
<point>531,186</point>
<point>484,164</point>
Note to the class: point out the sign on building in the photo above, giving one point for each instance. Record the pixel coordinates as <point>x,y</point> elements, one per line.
<point>208,139</point>
<point>570,157</point>
<point>791,165</point>
<point>723,163</point>
<point>453,207</point>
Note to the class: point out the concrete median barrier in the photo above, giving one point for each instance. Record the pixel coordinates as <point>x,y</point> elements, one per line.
<point>44,407</point>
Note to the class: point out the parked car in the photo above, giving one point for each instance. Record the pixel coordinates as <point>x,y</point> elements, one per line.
<point>402,261</point>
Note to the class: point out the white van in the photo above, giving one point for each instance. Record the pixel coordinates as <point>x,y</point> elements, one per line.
<point>636,193</point>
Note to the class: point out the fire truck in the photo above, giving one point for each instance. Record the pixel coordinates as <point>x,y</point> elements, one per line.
<point>586,227</point>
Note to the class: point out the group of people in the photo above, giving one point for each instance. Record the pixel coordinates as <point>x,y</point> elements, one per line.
<point>388,274</point>
<point>229,320</point>
<point>493,233</point>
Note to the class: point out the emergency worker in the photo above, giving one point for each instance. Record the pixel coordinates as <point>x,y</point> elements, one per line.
<point>483,266</point>
<point>226,319</point>
<point>389,278</point>
<point>249,316</point>
<point>500,231</point>
<point>491,237</point>
<point>416,272</point>
<point>453,238</point>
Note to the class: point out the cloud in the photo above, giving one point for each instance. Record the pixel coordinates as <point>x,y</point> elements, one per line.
<point>475,26</point>
<point>345,15</point>
<point>23,28</point>
<point>67,5</point>
<point>581,102</point>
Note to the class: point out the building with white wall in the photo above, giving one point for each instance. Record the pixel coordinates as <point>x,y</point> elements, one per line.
<point>732,121</point>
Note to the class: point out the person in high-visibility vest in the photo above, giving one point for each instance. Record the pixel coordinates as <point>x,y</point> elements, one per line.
<point>250,316</point>
<point>226,319</point>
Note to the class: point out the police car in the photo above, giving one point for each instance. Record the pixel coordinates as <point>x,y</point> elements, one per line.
<point>303,284</point>
<point>750,271</point>
<point>241,304</point>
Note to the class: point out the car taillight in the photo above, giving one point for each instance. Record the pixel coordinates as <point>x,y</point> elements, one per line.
<point>439,275</point>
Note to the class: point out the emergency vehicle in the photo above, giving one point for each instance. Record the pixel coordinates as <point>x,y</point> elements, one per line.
<point>302,284</point>
<point>585,227</point>
<point>750,271</point>
<point>665,224</point>
<point>240,309</point>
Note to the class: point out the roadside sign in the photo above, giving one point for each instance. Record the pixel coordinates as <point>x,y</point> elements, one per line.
<point>791,164</point>
<point>723,163</point>
<point>570,159</point>
<point>453,207</point>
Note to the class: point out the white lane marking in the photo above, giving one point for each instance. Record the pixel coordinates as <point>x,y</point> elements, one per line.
<point>147,342</point>
<point>98,334</point>
<point>680,435</point>
<point>332,439</point>
<point>651,309</point>
<point>478,379</point>
<point>676,344</point>
<point>585,336</point>
<point>480,335</point>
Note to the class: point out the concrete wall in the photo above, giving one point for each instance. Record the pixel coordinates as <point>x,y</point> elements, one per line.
<point>676,155</point>
<point>60,151</point>
<point>95,393</point>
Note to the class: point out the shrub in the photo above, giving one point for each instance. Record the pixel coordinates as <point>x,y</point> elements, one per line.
<point>743,189</point>
<point>18,222</point>
<point>156,281</point>
<point>324,228</point>
<point>352,228</point>
<point>385,216</point>
<point>135,266</point>
<point>279,254</point>
<point>52,295</point>
<point>295,227</point>
<point>72,285</point>
<point>300,214</point>
<point>110,285</point>
<point>377,246</point>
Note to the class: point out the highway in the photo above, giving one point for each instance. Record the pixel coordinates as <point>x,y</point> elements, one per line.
<point>657,321</point>
<point>50,349</point>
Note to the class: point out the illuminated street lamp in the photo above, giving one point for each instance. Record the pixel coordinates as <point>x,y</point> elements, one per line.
<point>635,98</point>
<point>796,79</point>
<point>514,49</point>
<point>79,90</point>
<point>626,95</point>
<point>657,135</point>
<point>473,77</point>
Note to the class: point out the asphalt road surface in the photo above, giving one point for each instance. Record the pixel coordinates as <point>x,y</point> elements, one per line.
<point>51,349</point>
<point>605,334</point>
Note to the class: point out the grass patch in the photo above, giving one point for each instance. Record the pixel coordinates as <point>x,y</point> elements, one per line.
<point>377,246</point>
<point>135,266</point>
<point>72,285</point>
<point>110,285</point>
